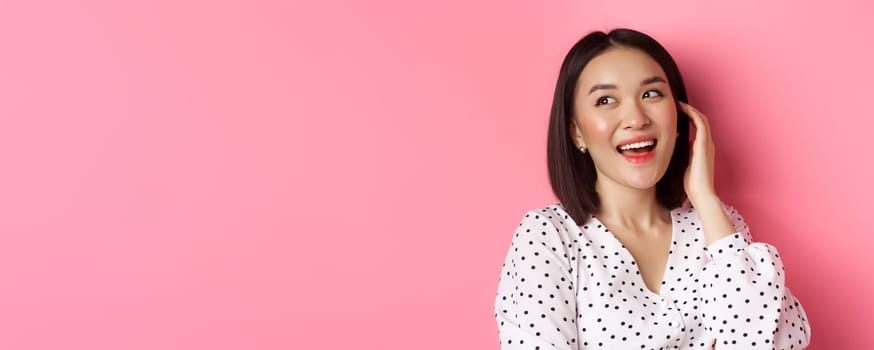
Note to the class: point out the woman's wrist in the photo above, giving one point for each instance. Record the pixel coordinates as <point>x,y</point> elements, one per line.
<point>714,221</point>
<point>701,198</point>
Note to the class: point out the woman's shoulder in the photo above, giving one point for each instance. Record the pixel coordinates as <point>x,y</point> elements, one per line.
<point>549,226</point>
<point>554,214</point>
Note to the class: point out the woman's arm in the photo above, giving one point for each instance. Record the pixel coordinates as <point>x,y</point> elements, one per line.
<point>747,304</point>
<point>698,181</point>
<point>536,305</point>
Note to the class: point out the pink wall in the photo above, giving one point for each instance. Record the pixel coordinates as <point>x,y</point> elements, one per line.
<point>327,175</point>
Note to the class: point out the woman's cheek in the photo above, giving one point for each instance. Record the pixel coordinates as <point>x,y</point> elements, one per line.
<point>601,126</point>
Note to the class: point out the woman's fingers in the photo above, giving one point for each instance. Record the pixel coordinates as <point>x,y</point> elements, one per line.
<point>697,118</point>
<point>702,125</point>
<point>698,180</point>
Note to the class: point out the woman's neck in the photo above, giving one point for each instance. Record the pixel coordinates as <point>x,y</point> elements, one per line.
<point>630,207</point>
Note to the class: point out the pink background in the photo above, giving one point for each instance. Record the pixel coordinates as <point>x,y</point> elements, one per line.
<point>330,175</point>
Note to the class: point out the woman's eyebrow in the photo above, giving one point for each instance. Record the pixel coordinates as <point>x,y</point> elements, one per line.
<point>650,80</point>
<point>601,87</point>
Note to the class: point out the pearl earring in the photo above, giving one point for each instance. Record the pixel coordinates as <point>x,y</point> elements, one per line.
<point>583,149</point>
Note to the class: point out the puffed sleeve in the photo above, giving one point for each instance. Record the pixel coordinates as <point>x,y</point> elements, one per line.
<point>535,306</point>
<point>746,302</point>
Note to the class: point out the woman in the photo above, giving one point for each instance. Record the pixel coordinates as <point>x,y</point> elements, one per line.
<point>640,253</point>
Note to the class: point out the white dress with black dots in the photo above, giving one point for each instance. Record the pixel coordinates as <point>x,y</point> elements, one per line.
<point>569,286</point>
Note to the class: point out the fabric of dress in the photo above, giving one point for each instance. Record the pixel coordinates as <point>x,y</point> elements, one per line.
<point>570,286</point>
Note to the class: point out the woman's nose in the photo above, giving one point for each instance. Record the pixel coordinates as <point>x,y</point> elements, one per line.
<point>635,118</point>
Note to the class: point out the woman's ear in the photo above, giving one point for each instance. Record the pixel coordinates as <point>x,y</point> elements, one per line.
<point>577,135</point>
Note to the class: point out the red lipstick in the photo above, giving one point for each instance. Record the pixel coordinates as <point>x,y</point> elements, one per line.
<point>637,159</point>
<point>636,156</point>
<point>636,139</point>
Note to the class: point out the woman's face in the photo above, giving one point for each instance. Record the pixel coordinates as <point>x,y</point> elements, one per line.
<point>626,117</point>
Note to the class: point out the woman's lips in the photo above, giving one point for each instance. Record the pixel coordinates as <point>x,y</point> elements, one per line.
<point>643,152</point>
<point>636,140</point>
<point>639,158</point>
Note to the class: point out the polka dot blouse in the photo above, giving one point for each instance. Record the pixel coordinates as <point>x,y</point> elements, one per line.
<point>569,286</point>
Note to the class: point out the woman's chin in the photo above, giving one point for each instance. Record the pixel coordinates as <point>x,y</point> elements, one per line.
<point>642,182</point>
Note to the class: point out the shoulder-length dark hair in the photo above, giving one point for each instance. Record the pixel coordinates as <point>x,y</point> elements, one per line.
<point>571,172</point>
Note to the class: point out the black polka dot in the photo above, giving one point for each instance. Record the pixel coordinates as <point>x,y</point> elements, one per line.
<point>561,280</point>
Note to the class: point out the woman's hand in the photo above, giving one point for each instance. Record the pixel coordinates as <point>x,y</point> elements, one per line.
<point>698,180</point>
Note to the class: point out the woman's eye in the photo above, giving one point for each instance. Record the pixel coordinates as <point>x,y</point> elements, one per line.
<point>652,93</point>
<point>605,100</point>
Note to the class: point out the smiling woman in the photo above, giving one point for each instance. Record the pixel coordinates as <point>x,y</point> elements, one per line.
<point>640,253</point>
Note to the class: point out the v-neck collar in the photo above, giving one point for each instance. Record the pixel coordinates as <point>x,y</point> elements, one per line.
<point>654,294</point>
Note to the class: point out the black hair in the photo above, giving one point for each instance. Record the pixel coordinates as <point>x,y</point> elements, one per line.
<point>571,172</point>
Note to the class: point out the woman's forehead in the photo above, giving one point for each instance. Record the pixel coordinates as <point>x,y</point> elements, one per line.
<point>620,66</point>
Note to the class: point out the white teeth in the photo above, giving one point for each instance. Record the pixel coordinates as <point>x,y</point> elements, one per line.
<point>637,145</point>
